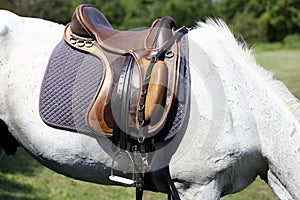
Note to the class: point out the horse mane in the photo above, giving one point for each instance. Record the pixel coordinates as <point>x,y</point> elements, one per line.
<point>289,100</point>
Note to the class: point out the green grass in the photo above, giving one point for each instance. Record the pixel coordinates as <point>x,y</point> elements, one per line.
<point>285,64</point>
<point>263,47</point>
<point>258,190</point>
<point>22,178</point>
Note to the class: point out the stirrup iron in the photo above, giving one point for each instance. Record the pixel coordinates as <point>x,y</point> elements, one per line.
<point>119,179</point>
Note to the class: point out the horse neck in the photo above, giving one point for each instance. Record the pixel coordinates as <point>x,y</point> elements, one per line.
<point>275,110</point>
<point>279,131</point>
<point>268,102</point>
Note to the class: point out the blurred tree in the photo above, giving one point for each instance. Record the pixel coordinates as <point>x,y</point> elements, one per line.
<point>112,9</point>
<point>269,20</point>
<point>188,12</point>
<point>58,11</point>
<point>283,17</point>
<point>243,17</point>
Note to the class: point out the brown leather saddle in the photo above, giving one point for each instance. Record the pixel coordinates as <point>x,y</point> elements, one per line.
<point>147,98</point>
<point>132,86</point>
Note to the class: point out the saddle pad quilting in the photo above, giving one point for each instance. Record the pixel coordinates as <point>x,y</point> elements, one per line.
<point>70,83</point>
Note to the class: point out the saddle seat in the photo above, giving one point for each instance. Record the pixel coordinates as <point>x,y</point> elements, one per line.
<point>88,21</point>
<point>91,32</point>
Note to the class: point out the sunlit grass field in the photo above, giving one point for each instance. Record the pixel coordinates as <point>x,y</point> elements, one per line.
<point>22,178</point>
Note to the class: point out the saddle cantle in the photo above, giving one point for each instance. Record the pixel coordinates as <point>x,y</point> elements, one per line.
<point>133,86</point>
<point>90,31</point>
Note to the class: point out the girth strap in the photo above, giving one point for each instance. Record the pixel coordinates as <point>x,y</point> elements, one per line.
<point>162,181</point>
<point>139,194</point>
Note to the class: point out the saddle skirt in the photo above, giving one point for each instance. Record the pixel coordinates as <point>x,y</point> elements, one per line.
<point>95,68</point>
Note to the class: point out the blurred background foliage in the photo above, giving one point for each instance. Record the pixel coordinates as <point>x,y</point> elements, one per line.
<point>254,20</point>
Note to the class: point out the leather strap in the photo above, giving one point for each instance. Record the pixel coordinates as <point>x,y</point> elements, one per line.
<point>161,181</point>
<point>121,101</point>
<point>139,194</point>
<point>159,56</point>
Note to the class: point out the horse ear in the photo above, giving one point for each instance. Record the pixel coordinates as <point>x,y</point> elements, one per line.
<point>7,141</point>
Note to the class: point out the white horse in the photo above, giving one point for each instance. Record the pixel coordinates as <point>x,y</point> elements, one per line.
<point>242,124</point>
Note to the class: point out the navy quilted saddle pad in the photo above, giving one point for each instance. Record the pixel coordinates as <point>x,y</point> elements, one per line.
<point>71,81</point>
